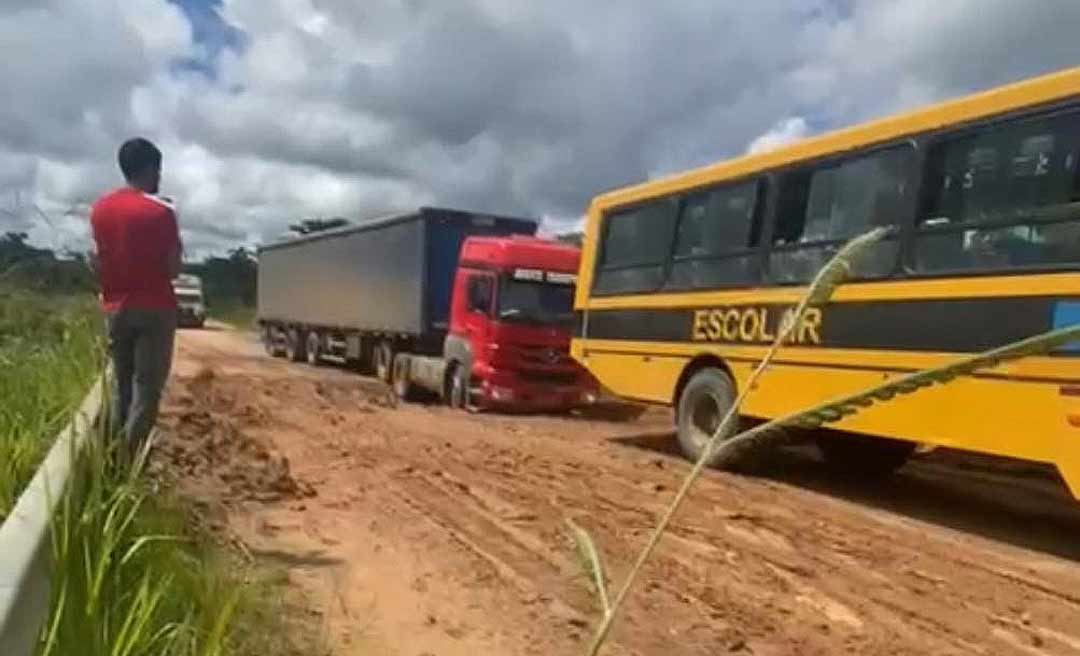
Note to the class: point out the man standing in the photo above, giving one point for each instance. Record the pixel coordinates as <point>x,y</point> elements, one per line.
<point>138,256</point>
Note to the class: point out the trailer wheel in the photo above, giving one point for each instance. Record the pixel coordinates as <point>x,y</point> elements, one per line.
<point>863,456</point>
<point>294,345</point>
<point>458,394</point>
<point>703,404</point>
<point>268,341</point>
<point>384,361</point>
<point>363,363</point>
<point>403,387</point>
<point>313,348</point>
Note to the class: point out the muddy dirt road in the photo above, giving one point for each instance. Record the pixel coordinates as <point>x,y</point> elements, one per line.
<point>420,531</point>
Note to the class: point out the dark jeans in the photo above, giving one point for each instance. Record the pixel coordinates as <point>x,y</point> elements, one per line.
<point>141,345</point>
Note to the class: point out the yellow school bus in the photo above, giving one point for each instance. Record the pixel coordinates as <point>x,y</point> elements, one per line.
<point>684,280</point>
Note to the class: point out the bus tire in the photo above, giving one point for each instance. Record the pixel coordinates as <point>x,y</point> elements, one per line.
<point>706,399</point>
<point>384,361</point>
<point>313,348</point>
<point>863,455</point>
<point>294,345</point>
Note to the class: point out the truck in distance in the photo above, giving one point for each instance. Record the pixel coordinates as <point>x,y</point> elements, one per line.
<point>469,307</point>
<point>190,301</point>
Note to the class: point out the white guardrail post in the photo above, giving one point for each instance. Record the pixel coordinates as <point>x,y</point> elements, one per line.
<point>25,544</point>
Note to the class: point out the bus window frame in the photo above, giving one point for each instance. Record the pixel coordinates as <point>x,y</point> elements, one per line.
<point>930,141</point>
<point>602,243</point>
<point>763,189</point>
<point>909,228</point>
<point>906,225</point>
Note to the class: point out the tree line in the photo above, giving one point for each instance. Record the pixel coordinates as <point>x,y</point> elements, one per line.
<point>227,279</point>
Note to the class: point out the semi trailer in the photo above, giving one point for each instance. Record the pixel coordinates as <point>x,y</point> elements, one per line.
<point>471,308</point>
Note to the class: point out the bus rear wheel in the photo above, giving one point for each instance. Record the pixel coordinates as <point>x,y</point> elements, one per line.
<point>704,403</point>
<point>862,455</point>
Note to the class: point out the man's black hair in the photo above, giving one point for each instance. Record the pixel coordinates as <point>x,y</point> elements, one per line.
<point>137,156</point>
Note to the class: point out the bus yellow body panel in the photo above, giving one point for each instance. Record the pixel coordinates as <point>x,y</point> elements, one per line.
<point>990,414</point>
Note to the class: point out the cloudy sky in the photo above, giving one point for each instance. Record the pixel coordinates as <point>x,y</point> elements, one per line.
<point>270,110</point>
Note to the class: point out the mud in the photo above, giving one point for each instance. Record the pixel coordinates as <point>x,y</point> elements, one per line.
<point>208,447</point>
<point>424,531</point>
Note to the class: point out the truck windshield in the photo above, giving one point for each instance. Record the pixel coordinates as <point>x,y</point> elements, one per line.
<point>536,302</point>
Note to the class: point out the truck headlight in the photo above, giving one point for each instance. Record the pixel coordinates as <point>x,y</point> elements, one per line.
<point>588,398</point>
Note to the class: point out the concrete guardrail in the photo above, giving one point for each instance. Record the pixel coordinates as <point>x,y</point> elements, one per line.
<point>25,543</point>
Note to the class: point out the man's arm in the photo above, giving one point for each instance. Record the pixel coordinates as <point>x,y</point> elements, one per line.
<point>176,250</point>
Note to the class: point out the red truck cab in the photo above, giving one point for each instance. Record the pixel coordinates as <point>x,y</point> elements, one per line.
<point>511,319</point>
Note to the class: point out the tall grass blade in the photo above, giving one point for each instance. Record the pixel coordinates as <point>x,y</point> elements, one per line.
<point>594,567</point>
<point>845,406</point>
<point>821,289</point>
<point>818,293</point>
<point>215,642</point>
<point>143,541</point>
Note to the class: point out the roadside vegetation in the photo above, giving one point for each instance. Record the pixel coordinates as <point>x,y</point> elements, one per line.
<point>50,352</point>
<point>233,312</point>
<point>134,572</point>
<point>138,574</point>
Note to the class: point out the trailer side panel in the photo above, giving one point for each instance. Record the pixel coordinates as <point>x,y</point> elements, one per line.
<point>368,280</point>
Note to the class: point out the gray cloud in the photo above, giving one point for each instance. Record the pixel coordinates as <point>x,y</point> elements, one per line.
<point>339,107</point>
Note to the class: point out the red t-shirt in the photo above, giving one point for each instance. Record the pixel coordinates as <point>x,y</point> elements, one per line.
<point>136,235</point>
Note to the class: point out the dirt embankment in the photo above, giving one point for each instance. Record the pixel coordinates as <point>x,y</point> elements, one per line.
<point>424,531</point>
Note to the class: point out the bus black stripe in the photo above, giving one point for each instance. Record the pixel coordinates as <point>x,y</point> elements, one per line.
<point>962,325</point>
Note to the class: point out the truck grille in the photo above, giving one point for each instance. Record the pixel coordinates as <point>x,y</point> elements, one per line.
<point>544,356</point>
<point>549,377</point>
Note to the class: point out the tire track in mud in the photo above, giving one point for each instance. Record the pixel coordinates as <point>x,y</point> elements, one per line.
<point>781,548</point>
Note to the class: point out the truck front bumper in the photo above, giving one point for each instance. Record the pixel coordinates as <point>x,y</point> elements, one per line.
<point>188,318</point>
<point>534,398</point>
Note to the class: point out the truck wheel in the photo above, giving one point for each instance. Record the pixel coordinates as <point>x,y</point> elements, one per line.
<point>384,361</point>
<point>313,348</point>
<point>863,455</point>
<point>705,401</point>
<point>458,394</point>
<point>403,387</point>
<point>294,345</point>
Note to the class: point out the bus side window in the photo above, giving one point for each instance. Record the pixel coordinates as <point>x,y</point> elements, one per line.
<point>634,248</point>
<point>821,208</point>
<point>1002,197</point>
<point>717,236</point>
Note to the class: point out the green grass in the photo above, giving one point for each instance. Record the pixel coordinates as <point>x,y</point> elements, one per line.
<point>233,312</point>
<point>137,576</point>
<point>132,571</point>
<point>50,351</point>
